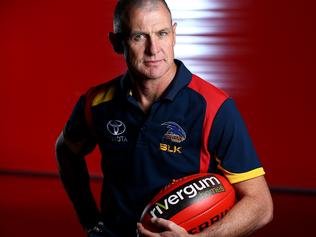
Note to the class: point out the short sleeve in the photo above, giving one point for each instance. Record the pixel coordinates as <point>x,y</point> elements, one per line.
<point>76,129</point>
<point>232,147</point>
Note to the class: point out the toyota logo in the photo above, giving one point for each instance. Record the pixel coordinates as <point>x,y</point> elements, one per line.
<point>116,127</point>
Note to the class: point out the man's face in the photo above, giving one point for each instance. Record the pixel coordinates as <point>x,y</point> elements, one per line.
<point>149,47</point>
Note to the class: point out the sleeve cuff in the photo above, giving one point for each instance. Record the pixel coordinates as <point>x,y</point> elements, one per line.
<point>239,177</point>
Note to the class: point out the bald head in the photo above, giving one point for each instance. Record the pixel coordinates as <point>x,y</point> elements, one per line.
<point>123,7</point>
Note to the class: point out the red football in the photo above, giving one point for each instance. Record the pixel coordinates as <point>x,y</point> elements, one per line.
<point>193,202</point>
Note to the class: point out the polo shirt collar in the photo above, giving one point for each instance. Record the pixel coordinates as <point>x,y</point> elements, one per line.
<point>182,78</point>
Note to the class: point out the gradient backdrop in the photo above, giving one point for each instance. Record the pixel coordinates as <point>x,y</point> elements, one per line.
<point>261,52</point>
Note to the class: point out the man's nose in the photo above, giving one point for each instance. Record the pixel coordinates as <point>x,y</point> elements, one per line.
<point>153,46</point>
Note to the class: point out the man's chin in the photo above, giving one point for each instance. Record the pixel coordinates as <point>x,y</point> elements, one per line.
<point>153,73</point>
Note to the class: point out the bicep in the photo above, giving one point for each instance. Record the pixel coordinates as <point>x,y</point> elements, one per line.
<point>256,187</point>
<point>64,143</point>
<point>76,133</point>
<point>232,147</point>
<point>255,192</point>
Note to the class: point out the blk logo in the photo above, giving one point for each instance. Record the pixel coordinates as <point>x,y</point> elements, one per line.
<point>116,127</point>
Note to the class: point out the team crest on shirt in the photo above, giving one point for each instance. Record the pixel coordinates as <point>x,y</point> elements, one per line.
<point>174,133</point>
<point>117,129</point>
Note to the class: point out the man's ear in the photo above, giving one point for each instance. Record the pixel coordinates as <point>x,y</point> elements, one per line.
<point>174,27</point>
<point>116,42</point>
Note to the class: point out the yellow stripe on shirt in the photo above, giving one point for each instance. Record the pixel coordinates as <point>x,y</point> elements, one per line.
<point>103,96</point>
<point>239,177</point>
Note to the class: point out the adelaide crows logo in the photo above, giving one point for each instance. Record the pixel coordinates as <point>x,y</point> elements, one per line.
<point>175,133</point>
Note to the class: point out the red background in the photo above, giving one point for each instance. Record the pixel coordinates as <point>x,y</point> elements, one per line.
<point>51,51</point>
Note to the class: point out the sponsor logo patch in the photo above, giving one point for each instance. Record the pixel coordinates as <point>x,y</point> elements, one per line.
<point>170,149</point>
<point>116,128</point>
<point>185,195</point>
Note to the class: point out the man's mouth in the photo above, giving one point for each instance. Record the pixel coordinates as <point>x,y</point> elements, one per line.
<point>152,62</point>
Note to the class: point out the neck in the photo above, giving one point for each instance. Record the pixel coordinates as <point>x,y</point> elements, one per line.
<point>147,91</point>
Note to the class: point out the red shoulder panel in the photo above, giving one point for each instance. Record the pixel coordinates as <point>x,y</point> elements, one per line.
<point>214,98</point>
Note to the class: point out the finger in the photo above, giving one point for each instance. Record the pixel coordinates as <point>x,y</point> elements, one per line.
<point>168,225</point>
<point>144,232</point>
<point>163,223</point>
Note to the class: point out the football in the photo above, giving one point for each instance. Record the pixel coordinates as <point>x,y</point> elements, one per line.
<point>194,202</point>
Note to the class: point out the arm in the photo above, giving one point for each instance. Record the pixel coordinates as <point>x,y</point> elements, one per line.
<point>75,178</point>
<point>253,210</point>
<point>235,157</point>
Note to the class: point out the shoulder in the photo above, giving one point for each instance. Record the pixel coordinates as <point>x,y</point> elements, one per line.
<point>103,92</point>
<point>210,93</point>
<point>228,118</point>
<point>212,97</point>
<point>205,88</point>
<point>228,109</point>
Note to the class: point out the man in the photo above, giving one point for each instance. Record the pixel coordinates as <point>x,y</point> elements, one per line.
<point>156,123</point>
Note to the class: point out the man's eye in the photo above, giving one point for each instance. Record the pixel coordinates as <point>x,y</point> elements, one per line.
<point>163,33</point>
<point>138,37</point>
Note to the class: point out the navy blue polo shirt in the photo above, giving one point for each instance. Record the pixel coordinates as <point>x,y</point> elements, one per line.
<point>193,127</point>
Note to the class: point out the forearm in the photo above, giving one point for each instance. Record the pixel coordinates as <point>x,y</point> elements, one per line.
<point>75,178</point>
<point>240,221</point>
<point>250,213</point>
